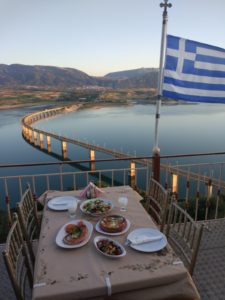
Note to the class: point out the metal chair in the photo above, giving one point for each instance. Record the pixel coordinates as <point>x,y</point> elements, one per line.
<point>157,203</point>
<point>17,261</point>
<point>27,213</point>
<point>184,235</point>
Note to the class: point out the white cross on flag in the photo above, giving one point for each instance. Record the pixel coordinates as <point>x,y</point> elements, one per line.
<point>194,71</point>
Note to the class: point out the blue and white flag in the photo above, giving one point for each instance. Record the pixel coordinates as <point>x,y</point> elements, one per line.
<point>194,71</point>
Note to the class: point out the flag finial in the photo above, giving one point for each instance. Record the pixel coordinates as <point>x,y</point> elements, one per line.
<point>165,5</point>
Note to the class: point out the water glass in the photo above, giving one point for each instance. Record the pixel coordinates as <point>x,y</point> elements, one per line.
<point>72,207</point>
<point>123,201</point>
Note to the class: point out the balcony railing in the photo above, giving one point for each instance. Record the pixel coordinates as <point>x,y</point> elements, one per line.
<point>198,187</point>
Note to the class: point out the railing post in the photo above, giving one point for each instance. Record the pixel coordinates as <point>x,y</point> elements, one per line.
<point>61,178</point>
<point>156,166</point>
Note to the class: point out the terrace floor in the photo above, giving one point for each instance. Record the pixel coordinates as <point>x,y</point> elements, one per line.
<point>209,275</point>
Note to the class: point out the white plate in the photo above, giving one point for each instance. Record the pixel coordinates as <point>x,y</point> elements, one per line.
<point>60,203</point>
<point>61,234</point>
<point>98,228</point>
<point>150,246</point>
<point>99,238</point>
<point>83,203</point>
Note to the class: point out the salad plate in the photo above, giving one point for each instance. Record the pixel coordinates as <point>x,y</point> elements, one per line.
<point>96,207</point>
<point>61,203</point>
<point>74,234</point>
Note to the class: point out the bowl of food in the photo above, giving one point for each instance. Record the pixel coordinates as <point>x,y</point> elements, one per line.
<point>113,224</point>
<point>109,247</point>
<point>96,207</point>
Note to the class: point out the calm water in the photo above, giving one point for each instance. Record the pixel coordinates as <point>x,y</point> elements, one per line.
<point>183,129</point>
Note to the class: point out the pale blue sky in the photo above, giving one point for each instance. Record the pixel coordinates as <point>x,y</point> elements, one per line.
<point>101,36</point>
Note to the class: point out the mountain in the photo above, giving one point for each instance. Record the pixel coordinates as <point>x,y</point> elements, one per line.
<point>131,73</point>
<point>17,75</point>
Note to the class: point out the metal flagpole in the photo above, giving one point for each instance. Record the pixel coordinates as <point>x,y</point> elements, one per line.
<point>156,149</point>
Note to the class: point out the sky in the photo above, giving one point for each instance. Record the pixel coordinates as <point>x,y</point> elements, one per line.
<point>102,36</point>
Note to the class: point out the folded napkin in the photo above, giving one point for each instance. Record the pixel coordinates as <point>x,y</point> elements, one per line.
<point>91,191</point>
<point>142,239</point>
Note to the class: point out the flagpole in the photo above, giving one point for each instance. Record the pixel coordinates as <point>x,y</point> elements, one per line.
<point>156,149</point>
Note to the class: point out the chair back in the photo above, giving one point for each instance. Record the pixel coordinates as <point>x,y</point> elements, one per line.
<point>157,203</point>
<point>17,261</point>
<point>27,213</point>
<point>184,234</point>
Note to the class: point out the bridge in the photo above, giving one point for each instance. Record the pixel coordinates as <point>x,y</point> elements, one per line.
<point>36,137</point>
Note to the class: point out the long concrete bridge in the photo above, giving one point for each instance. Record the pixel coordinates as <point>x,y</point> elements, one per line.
<point>37,137</point>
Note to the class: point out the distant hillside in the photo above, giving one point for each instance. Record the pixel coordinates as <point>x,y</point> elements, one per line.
<point>131,73</point>
<point>17,75</point>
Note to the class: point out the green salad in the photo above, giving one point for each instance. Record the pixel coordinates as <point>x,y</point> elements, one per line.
<point>97,206</point>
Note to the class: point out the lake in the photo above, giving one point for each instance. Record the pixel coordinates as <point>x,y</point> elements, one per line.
<point>190,128</point>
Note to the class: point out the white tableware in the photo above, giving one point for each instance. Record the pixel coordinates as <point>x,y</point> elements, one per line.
<point>142,239</point>
<point>92,203</point>
<point>123,201</point>
<point>60,203</point>
<point>72,208</point>
<point>62,233</point>
<point>98,229</point>
<point>155,244</point>
<point>102,238</point>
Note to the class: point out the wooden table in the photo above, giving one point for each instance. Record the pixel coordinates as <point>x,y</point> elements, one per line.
<point>81,273</point>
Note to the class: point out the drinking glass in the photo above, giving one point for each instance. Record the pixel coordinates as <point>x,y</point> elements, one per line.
<point>123,201</point>
<point>72,207</point>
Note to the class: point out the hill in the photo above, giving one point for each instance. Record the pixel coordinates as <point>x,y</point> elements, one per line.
<point>17,75</point>
<point>131,73</point>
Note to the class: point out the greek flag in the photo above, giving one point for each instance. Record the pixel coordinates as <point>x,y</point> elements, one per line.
<point>194,71</point>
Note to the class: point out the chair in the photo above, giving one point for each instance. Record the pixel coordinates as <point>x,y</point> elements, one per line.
<point>157,203</point>
<point>27,213</point>
<point>16,260</point>
<point>184,235</point>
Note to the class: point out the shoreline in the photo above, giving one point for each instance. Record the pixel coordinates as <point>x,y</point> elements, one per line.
<point>91,104</point>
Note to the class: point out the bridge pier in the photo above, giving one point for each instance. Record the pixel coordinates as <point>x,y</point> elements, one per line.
<point>92,154</point>
<point>174,183</point>
<point>41,137</point>
<point>64,149</point>
<point>132,170</point>
<point>48,143</point>
<point>132,175</point>
<point>35,138</point>
<point>92,157</point>
<point>30,135</point>
<point>26,133</point>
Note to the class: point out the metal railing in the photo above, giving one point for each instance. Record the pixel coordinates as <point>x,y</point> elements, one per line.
<point>199,188</point>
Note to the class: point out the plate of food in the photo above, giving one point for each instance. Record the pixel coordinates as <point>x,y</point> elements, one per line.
<point>146,239</point>
<point>109,247</point>
<point>61,203</point>
<point>74,234</point>
<point>113,225</point>
<point>96,207</point>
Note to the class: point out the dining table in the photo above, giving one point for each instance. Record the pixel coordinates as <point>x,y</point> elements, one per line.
<point>85,273</point>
